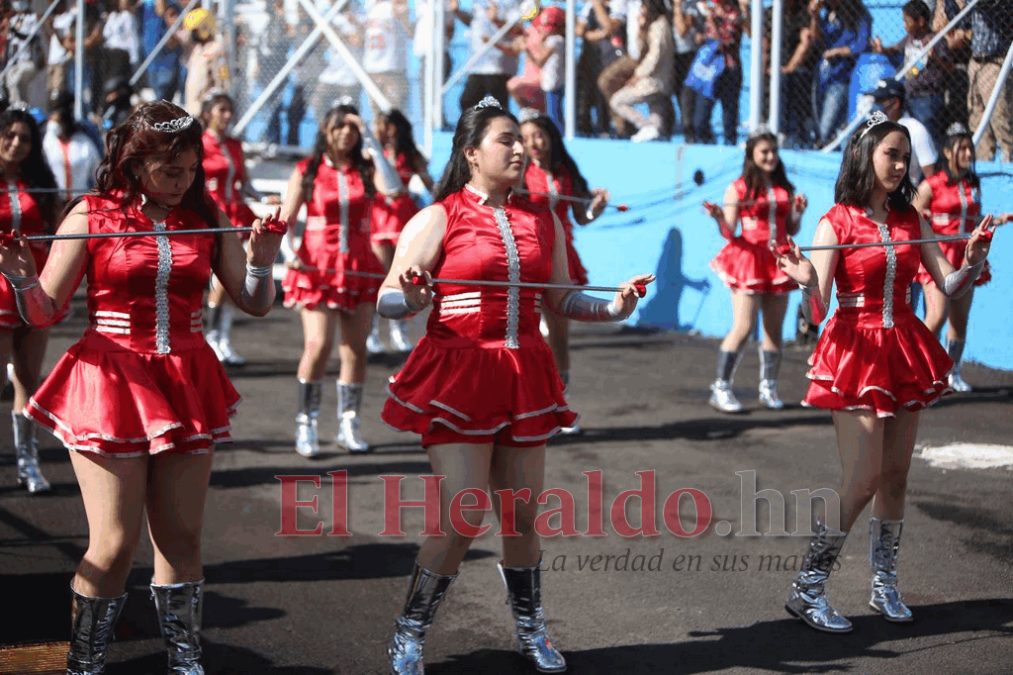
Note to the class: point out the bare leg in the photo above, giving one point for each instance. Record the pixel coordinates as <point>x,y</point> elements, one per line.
<point>960,312</point>
<point>29,351</point>
<point>517,469</point>
<point>937,308</point>
<point>352,343</point>
<point>177,488</point>
<point>860,439</point>
<point>744,309</point>
<point>898,447</point>
<point>319,326</point>
<point>774,307</point>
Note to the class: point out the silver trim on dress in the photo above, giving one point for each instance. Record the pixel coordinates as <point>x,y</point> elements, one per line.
<point>513,274</point>
<point>891,275</point>
<point>14,196</point>
<point>162,291</point>
<point>771,216</point>
<point>343,205</point>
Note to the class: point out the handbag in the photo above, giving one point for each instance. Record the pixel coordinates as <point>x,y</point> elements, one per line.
<point>708,64</point>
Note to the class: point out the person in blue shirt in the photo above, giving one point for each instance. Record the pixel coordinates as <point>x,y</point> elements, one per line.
<point>841,31</point>
<point>164,73</point>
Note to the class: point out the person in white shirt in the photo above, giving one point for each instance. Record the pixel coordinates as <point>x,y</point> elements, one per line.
<point>424,35</point>
<point>337,81</point>
<point>889,96</point>
<point>68,150</point>
<point>122,33</point>
<point>59,58</point>
<point>385,58</point>
<point>25,57</point>
<point>489,75</point>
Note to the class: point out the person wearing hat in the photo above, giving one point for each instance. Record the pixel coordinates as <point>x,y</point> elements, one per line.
<point>889,96</point>
<point>208,67</point>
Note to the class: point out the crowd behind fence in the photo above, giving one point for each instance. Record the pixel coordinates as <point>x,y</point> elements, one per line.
<point>645,69</point>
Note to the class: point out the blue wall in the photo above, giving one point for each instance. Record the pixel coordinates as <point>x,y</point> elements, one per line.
<point>676,240</point>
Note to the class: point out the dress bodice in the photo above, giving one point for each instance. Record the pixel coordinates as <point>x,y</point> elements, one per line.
<point>19,212</point>
<point>511,243</point>
<point>955,206</point>
<point>765,215</point>
<point>223,168</point>
<point>145,294</point>
<point>340,209</point>
<point>541,182</point>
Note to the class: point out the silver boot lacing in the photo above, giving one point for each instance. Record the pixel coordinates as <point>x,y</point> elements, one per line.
<point>179,608</point>
<point>425,592</point>
<point>524,593</point>
<point>349,404</point>
<point>26,449</point>
<point>92,623</point>
<point>307,439</point>
<point>884,543</point>
<point>808,600</point>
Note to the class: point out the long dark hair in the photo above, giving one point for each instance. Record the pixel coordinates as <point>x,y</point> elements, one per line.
<point>320,148</point>
<point>208,104</point>
<point>657,9</point>
<point>850,13</point>
<point>136,141</point>
<point>952,141</point>
<point>753,175</point>
<point>857,180</point>
<point>34,169</point>
<point>471,128</point>
<point>403,136</point>
<point>558,156</point>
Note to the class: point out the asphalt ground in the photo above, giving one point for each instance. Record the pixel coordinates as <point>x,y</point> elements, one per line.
<point>703,604</point>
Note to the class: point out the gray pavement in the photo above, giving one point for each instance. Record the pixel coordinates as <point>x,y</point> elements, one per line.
<point>326,604</point>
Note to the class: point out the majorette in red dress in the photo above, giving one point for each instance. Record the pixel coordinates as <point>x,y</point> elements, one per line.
<point>482,365</point>
<point>537,180</point>
<point>142,380</point>
<point>224,171</point>
<point>746,263</point>
<point>955,209</point>
<point>336,241</point>
<point>875,354</point>
<point>19,212</point>
<point>391,215</point>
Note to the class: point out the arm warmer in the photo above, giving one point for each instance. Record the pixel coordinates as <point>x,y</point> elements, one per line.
<point>582,307</point>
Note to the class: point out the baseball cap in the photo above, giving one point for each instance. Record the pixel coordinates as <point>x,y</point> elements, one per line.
<point>888,88</point>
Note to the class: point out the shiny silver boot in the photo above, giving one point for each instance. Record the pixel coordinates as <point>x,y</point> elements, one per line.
<point>349,404</point>
<point>400,338</point>
<point>955,348</point>
<point>225,352</point>
<point>524,591</point>
<point>26,449</point>
<point>374,345</point>
<point>425,592</point>
<point>564,375</point>
<point>307,439</point>
<point>770,366</point>
<point>92,623</point>
<point>808,600</point>
<point>722,398</point>
<point>884,542</point>
<point>179,608</point>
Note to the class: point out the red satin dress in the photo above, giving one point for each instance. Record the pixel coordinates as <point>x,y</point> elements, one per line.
<point>142,380</point>
<point>19,212</point>
<point>746,263</point>
<point>224,171</point>
<point>483,370</point>
<point>391,215</point>
<point>875,354</point>
<point>955,209</point>
<point>537,180</point>
<point>336,241</point>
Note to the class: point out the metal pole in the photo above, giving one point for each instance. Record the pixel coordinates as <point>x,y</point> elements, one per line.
<point>79,62</point>
<point>756,65</point>
<point>161,43</point>
<point>775,66</point>
<point>38,26</point>
<point>429,84</point>
<point>304,48</point>
<point>439,63</point>
<point>488,46</point>
<point>353,63</point>
<point>570,93</point>
<point>1000,82</point>
<point>230,22</point>
<point>903,69</point>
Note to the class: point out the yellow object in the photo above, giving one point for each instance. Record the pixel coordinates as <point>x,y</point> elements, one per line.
<point>201,21</point>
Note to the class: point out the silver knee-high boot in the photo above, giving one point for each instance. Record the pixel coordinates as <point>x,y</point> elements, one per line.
<point>179,608</point>
<point>808,600</point>
<point>722,398</point>
<point>92,623</point>
<point>770,366</point>
<point>524,591</point>
<point>955,348</point>
<point>26,449</point>
<point>425,592</point>
<point>307,439</point>
<point>225,351</point>
<point>884,544</point>
<point>349,404</point>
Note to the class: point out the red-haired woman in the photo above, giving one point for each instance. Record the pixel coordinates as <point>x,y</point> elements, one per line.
<point>141,399</point>
<point>22,168</point>
<point>228,187</point>
<point>329,280</point>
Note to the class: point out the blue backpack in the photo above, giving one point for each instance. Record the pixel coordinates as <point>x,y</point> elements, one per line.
<point>708,64</point>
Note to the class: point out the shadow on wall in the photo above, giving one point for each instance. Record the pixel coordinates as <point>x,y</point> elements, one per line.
<point>664,309</point>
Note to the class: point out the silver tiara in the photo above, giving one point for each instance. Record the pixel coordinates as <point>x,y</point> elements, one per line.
<point>174,126</point>
<point>488,102</point>
<point>957,129</point>
<point>344,100</point>
<point>875,119</point>
<point>528,114</point>
<point>760,131</point>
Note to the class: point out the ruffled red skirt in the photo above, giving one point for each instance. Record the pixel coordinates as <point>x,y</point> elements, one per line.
<point>238,213</point>
<point>128,404</point>
<point>750,268</point>
<point>954,252</point>
<point>329,285</point>
<point>389,219</point>
<point>479,391</point>
<point>10,317</point>
<point>860,366</point>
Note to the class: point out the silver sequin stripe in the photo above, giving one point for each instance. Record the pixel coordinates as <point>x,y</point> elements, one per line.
<point>514,275</point>
<point>771,216</point>
<point>231,177</point>
<point>343,205</point>
<point>162,291</point>
<point>13,195</point>
<point>891,275</point>
<point>553,192</point>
